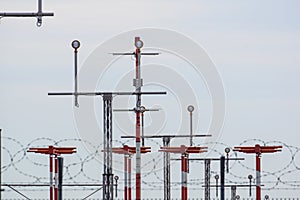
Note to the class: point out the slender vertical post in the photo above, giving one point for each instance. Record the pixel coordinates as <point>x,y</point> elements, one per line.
<point>250,183</point>
<point>129,177</point>
<point>0,163</point>
<point>56,178</point>
<point>75,45</point>
<point>217,181</point>
<point>143,139</point>
<point>167,170</point>
<point>184,177</point>
<point>107,140</point>
<point>39,13</point>
<point>138,86</point>
<point>207,179</point>
<point>222,173</point>
<point>51,176</point>
<point>233,192</point>
<point>75,77</point>
<point>191,108</point>
<point>258,176</point>
<point>60,177</point>
<point>125,177</point>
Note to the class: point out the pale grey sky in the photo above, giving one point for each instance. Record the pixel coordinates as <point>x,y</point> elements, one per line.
<point>254,45</point>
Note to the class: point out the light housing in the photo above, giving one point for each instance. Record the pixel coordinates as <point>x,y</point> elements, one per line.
<point>190,108</point>
<point>139,44</point>
<point>75,44</point>
<point>227,150</point>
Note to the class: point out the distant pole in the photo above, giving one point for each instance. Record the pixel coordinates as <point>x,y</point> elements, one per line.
<point>250,182</point>
<point>184,176</point>
<point>56,178</point>
<point>76,45</point>
<point>143,139</point>
<point>125,177</point>
<point>222,173</point>
<point>138,83</point>
<point>129,177</point>
<point>217,180</point>
<point>60,177</point>
<point>233,192</point>
<point>0,163</point>
<point>39,14</point>
<point>207,179</point>
<point>258,150</point>
<point>167,169</point>
<point>191,108</point>
<point>51,175</point>
<point>258,176</point>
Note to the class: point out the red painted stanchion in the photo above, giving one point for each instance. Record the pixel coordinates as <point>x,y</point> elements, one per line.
<point>184,151</point>
<point>258,150</point>
<point>51,176</point>
<point>56,178</point>
<point>128,151</point>
<point>53,152</point>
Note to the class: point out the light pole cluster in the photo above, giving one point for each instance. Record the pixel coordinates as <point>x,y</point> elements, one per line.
<point>54,153</point>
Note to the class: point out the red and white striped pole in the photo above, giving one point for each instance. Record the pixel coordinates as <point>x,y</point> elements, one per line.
<point>138,85</point>
<point>184,177</point>
<point>56,179</point>
<point>125,177</point>
<point>129,177</point>
<point>258,175</point>
<point>51,176</point>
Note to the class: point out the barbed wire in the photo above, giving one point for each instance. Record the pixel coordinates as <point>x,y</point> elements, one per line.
<point>82,166</point>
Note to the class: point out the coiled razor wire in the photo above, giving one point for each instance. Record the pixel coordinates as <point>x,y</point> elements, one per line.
<point>82,166</point>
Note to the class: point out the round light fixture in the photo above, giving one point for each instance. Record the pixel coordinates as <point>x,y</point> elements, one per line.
<point>139,44</point>
<point>227,150</point>
<point>75,44</point>
<point>217,176</point>
<point>250,176</point>
<point>190,108</point>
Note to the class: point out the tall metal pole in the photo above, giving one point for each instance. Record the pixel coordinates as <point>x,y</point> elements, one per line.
<point>207,179</point>
<point>125,177</point>
<point>60,177</point>
<point>0,163</point>
<point>51,175</point>
<point>233,192</point>
<point>138,86</point>
<point>184,172</point>
<point>143,139</point>
<point>39,13</point>
<point>167,169</point>
<point>56,178</point>
<point>107,153</point>
<point>191,108</point>
<point>258,177</point>
<point>258,150</point>
<point>75,45</point>
<point>222,173</point>
<point>129,177</point>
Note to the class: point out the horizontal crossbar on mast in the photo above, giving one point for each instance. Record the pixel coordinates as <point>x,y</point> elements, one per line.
<point>171,136</point>
<point>133,53</point>
<point>29,14</point>
<point>103,93</point>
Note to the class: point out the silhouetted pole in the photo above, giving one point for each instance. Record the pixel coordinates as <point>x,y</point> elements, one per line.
<point>167,170</point>
<point>0,164</point>
<point>51,174</point>
<point>222,173</point>
<point>60,177</point>
<point>258,150</point>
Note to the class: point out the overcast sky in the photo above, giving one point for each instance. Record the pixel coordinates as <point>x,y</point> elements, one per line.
<point>253,44</point>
